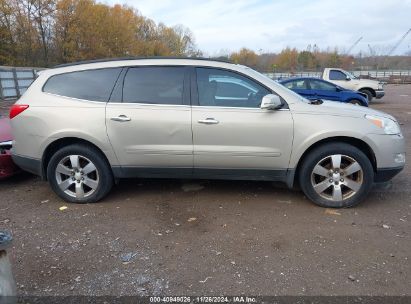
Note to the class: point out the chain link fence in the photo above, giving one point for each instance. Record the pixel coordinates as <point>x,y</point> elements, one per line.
<point>15,81</point>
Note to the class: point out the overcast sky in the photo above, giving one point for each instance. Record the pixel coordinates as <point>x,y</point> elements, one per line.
<point>272,25</point>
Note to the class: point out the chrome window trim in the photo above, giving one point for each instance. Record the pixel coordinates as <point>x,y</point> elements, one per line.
<point>238,108</point>
<point>77,99</point>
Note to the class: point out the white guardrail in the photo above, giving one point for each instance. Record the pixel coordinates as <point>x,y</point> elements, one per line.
<point>392,76</point>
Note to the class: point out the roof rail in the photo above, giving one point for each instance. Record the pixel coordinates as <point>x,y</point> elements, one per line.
<point>136,58</point>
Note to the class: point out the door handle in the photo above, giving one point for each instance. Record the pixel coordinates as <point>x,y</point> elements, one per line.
<point>121,118</point>
<point>208,121</point>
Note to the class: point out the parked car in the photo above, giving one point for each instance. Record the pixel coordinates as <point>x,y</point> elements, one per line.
<point>7,166</point>
<point>83,126</point>
<point>314,88</point>
<point>373,88</point>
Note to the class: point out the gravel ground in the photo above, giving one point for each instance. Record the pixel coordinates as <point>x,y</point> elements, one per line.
<point>180,237</point>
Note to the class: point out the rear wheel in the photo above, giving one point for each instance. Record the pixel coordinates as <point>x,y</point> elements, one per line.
<point>79,174</point>
<point>368,93</point>
<point>336,175</point>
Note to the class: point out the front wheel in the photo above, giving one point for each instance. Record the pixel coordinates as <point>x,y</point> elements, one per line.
<point>369,94</point>
<point>336,175</point>
<point>79,174</point>
<point>355,102</point>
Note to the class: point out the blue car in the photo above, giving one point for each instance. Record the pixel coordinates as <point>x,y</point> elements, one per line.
<point>314,88</point>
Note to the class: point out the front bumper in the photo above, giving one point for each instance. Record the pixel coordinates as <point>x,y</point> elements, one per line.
<point>379,94</point>
<point>383,175</point>
<point>390,155</point>
<point>387,149</point>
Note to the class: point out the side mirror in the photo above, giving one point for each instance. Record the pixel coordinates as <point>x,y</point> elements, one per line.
<point>338,89</point>
<point>270,102</point>
<point>347,78</point>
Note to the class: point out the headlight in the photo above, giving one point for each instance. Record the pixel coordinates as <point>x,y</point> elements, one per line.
<point>389,126</point>
<point>380,86</point>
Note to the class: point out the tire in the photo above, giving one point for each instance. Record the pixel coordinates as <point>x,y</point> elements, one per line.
<point>320,170</point>
<point>355,102</point>
<point>368,93</point>
<point>79,174</point>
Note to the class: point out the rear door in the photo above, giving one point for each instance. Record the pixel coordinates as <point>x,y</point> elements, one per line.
<point>149,121</point>
<point>230,131</point>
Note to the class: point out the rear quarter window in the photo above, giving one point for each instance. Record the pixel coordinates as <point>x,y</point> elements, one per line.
<point>94,85</point>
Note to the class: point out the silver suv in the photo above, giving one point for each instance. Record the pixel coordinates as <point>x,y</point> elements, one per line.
<point>82,126</point>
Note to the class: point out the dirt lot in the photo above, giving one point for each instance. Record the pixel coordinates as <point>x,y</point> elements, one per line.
<point>212,237</point>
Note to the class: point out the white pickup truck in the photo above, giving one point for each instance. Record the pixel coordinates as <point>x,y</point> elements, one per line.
<point>348,81</point>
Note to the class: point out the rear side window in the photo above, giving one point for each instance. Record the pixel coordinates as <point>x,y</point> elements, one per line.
<point>154,85</point>
<point>321,85</point>
<point>95,85</point>
<point>296,85</point>
<point>337,75</point>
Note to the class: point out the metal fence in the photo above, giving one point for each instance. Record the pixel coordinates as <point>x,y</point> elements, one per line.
<point>392,76</point>
<point>15,81</point>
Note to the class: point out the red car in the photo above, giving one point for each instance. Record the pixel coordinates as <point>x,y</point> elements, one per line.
<point>7,167</point>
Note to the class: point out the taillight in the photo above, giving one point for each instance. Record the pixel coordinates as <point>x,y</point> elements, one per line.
<point>17,109</point>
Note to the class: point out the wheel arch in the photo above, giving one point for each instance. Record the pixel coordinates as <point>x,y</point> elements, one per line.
<point>358,143</point>
<point>352,98</point>
<point>60,143</point>
<point>368,89</point>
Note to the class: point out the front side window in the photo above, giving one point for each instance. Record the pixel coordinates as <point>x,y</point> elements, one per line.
<point>321,85</point>
<point>228,89</point>
<point>296,85</point>
<point>94,85</point>
<point>337,75</point>
<point>154,85</point>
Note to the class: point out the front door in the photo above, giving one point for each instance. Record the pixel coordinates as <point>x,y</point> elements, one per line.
<point>150,126</point>
<point>324,90</point>
<point>230,131</point>
<point>301,87</point>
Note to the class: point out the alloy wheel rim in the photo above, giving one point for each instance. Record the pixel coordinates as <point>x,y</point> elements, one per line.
<point>337,177</point>
<point>77,176</point>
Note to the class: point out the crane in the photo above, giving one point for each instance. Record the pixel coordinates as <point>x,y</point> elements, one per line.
<point>353,46</point>
<point>398,43</point>
<point>372,52</point>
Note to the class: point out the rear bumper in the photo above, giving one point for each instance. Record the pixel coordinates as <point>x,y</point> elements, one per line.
<point>28,164</point>
<point>385,174</point>
<point>379,94</point>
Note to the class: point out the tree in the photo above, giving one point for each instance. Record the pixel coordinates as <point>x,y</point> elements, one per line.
<point>45,32</point>
<point>288,59</point>
<point>246,57</point>
<point>42,14</point>
<point>306,60</point>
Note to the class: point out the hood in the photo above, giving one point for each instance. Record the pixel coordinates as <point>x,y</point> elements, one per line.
<point>5,130</point>
<point>329,107</point>
<point>366,82</point>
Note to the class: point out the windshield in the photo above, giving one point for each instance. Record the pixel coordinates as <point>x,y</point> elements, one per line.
<point>303,99</point>
<point>350,75</point>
